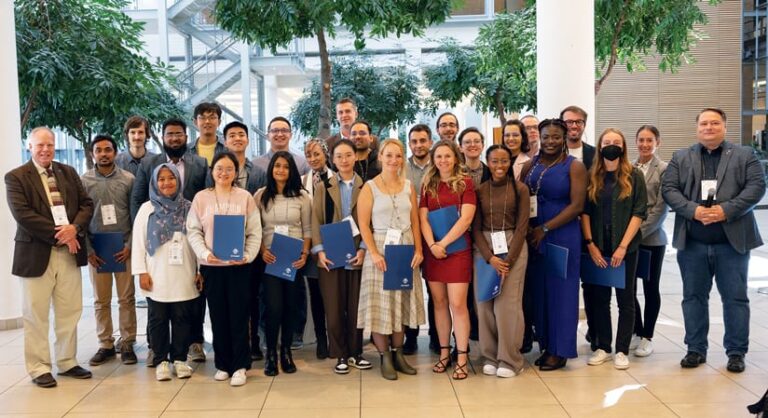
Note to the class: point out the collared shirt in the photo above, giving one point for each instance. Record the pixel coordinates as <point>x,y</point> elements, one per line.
<point>476,173</point>
<point>416,173</point>
<point>111,189</point>
<point>301,162</point>
<point>345,188</point>
<point>44,178</point>
<point>179,166</point>
<point>644,167</point>
<point>128,162</point>
<point>218,147</point>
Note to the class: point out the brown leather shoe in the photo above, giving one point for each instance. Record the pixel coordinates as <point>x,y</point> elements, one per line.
<point>553,362</point>
<point>45,380</point>
<point>77,372</point>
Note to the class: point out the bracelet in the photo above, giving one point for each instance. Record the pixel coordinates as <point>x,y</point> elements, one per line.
<point>433,244</point>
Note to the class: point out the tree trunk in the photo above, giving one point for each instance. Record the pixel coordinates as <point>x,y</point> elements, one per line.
<point>614,43</point>
<point>324,120</point>
<point>28,108</point>
<point>500,110</point>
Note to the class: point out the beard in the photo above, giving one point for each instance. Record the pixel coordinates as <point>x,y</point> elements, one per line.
<point>175,152</point>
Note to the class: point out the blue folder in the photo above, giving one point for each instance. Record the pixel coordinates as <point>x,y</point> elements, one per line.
<point>287,250</point>
<point>228,237</point>
<point>338,243</point>
<point>488,279</point>
<point>557,260</point>
<point>399,274</point>
<point>441,221</point>
<point>609,276</point>
<point>644,265</point>
<point>105,245</point>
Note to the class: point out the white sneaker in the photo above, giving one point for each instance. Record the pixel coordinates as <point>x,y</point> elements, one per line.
<point>196,353</point>
<point>163,371</point>
<point>220,376</point>
<point>183,371</point>
<point>598,358</point>
<point>238,378</point>
<point>634,342</point>
<point>489,369</point>
<point>621,361</point>
<point>645,348</point>
<point>505,372</point>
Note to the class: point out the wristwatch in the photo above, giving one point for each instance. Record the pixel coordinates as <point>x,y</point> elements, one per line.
<point>588,241</point>
<point>544,228</point>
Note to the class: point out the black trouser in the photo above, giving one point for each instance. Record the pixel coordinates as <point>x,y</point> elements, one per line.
<point>198,310</point>
<point>645,321</point>
<point>227,290</point>
<point>282,313</point>
<point>169,325</point>
<point>599,309</point>
<point>257,272</point>
<point>316,306</point>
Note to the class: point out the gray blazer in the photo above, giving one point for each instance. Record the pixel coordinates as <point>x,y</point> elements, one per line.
<point>740,186</point>
<point>652,227</point>
<point>195,169</point>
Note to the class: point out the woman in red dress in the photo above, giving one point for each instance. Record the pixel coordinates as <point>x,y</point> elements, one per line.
<point>447,185</point>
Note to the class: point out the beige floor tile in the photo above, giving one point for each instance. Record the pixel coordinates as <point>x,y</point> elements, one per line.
<point>708,410</point>
<point>32,399</point>
<point>309,394</point>
<point>705,388</point>
<point>408,391</point>
<point>11,375</point>
<point>479,391</point>
<point>115,414</point>
<point>132,374</point>
<point>605,390</point>
<point>245,413</point>
<point>412,411</point>
<point>520,411</point>
<point>195,397</point>
<point>311,413</point>
<point>755,383</point>
<point>130,398</point>
<point>657,410</point>
<point>665,364</point>
<point>579,367</point>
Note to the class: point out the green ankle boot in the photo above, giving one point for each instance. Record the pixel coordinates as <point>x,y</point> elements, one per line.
<point>400,364</point>
<point>387,368</point>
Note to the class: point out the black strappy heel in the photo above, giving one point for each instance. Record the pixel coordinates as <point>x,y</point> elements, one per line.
<point>444,363</point>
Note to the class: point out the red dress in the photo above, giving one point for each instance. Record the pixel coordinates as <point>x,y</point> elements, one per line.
<point>457,267</point>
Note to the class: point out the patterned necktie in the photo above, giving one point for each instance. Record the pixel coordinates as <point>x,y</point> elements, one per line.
<point>53,188</point>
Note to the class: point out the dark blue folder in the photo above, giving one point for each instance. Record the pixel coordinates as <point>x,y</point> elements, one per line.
<point>228,237</point>
<point>557,260</point>
<point>644,265</point>
<point>441,221</point>
<point>399,274</point>
<point>105,245</point>
<point>609,276</point>
<point>338,243</point>
<point>287,250</point>
<point>488,280</point>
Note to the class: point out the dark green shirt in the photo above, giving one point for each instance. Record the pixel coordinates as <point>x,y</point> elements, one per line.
<point>622,211</point>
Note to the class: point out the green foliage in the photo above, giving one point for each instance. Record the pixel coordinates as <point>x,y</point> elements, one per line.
<point>81,68</point>
<point>499,73</point>
<point>385,96</point>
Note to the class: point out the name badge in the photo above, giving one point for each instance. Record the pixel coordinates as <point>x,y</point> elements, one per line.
<point>281,229</point>
<point>534,207</point>
<point>706,186</point>
<point>355,231</point>
<point>59,213</point>
<point>176,253</point>
<point>393,237</point>
<point>108,215</point>
<point>499,242</point>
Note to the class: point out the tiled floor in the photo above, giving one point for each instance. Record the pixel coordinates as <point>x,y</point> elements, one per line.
<point>655,386</point>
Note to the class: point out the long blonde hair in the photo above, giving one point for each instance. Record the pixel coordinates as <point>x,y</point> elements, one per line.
<point>597,172</point>
<point>393,141</point>
<point>431,179</point>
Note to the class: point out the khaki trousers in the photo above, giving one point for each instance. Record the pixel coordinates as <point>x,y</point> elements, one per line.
<point>60,284</point>
<point>501,320</point>
<point>102,305</point>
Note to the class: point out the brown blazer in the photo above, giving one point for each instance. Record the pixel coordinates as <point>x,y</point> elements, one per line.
<point>319,202</point>
<point>35,228</point>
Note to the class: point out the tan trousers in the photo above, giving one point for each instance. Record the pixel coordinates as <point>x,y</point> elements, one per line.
<point>61,283</point>
<point>501,320</point>
<point>102,305</point>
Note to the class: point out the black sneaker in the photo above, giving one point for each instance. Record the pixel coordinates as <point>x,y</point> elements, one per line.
<point>736,363</point>
<point>359,362</point>
<point>692,360</point>
<point>127,355</point>
<point>102,356</point>
<point>341,366</point>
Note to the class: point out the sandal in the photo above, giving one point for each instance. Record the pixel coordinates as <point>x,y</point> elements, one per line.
<point>442,365</point>
<point>460,370</point>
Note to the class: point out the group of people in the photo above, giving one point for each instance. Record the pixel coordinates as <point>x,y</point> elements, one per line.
<point>541,194</point>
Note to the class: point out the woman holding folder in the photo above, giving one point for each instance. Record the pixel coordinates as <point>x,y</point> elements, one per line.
<point>340,281</point>
<point>615,209</point>
<point>557,185</point>
<point>386,210</point>
<point>167,269</point>
<point>499,229</point>
<point>286,209</point>
<point>227,277</point>
<point>446,186</point>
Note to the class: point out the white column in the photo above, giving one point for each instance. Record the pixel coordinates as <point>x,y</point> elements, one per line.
<point>565,69</point>
<point>162,30</point>
<point>245,88</point>
<point>270,98</point>
<point>10,158</point>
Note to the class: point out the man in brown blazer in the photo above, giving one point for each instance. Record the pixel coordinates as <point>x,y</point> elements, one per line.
<point>52,212</point>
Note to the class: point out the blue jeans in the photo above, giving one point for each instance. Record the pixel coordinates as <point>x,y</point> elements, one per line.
<point>698,264</point>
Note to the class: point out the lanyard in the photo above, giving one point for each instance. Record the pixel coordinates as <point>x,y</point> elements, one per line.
<point>490,203</point>
<point>218,206</point>
<point>395,211</point>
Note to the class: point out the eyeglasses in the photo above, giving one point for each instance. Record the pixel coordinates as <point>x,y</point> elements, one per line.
<point>174,134</point>
<point>533,128</point>
<point>225,170</point>
<point>275,131</point>
<point>577,122</point>
<point>447,125</point>
<point>209,118</point>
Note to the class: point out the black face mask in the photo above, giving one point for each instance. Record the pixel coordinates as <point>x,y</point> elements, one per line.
<point>612,152</point>
<point>175,152</point>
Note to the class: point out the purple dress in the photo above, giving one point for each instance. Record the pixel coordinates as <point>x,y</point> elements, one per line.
<point>556,301</point>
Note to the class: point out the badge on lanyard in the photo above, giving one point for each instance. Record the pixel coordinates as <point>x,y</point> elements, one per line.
<point>59,213</point>
<point>355,231</point>
<point>534,207</point>
<point>176,254</point>
<point>108,215</point>
<point>393,237</point>
<point>281,229</point>
<point>499,242</point>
